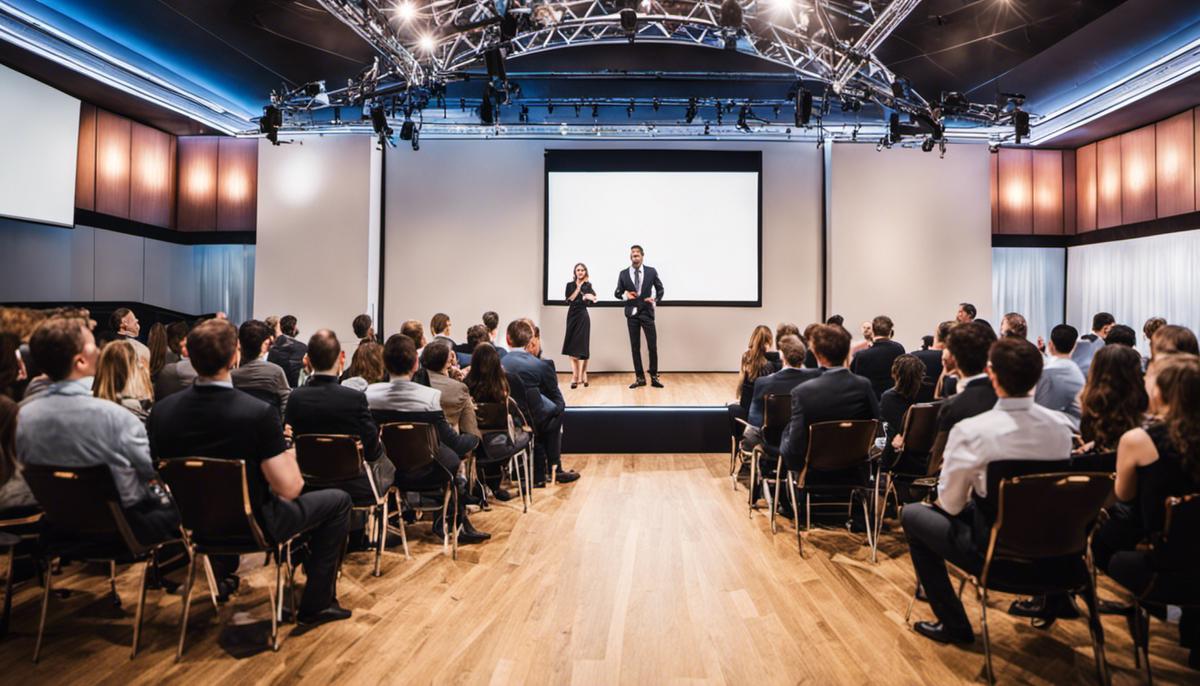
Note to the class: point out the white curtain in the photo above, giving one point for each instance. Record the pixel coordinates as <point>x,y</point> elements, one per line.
<point>1136,279</point>
<point>226,275</point>
<point>1031,281</point>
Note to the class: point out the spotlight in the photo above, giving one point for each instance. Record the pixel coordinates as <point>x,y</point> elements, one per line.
<point>927,145</point>
<point>494,60</point>
<point>692,110</point>
<point>1021,124</point>
<point>524,115</point>
<point>731,15</point>
<point>270,122</point>
<point>629,22</point>
<point>629,110</point>
<point>408,128</point>
<point>426,42</point>
<point>595,111</point>
<point>416,139</point>
<point>406,10</point>
<point>487,112</point>
<point>994,147</point>
<point>379,123</point>
<point>741,120</point>
<point>803,107</point>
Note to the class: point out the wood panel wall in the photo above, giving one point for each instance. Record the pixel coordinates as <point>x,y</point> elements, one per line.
<point>1047,191</point>
<point>113,139</point>
<point>1175,164</point>
<point>237,187</point>
<point>1015,179</point>
<point>1138,194</point>
<point>1085,187</point>
<point>197,204</point>
<point>1108,183</point>
<point>85,160</point>
<point>152,176</point>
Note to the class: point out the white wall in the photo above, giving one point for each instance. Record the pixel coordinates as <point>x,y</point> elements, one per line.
<point>910,236</point>
<point>315,207</point>
<point>464,230</point>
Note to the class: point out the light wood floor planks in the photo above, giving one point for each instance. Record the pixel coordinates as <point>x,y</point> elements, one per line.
<point>681,388</point>
<point>647,571</point>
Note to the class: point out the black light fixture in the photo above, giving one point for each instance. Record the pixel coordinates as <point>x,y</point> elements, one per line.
<point>408,128</point>
<point>270,123</point>
<point>927,144</point>
<point>379,124</point>
<point>524,115</point>
<point>692,110</point>
<point>493,59</point>
<point>741,120</point>
<point>731,15</point>
<point>487,112</point>
<point>804,104</point>
<point>629,22</point>
<point>1021,124</point>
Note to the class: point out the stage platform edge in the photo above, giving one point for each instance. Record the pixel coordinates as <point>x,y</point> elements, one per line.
<point>646,429</point>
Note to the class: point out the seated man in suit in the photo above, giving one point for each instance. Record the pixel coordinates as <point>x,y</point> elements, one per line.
<point>875,362</point>
<point>967,351</point>
<point>477,334</point>
<point>175,376</point>
<point>1061,381</point>
<point>456,399</point>
<point>213,419</point>
<point>287,352</point>
<point>440,326</point>
<point>1016,429</point>
<point>255,375</point>
<point>792,351</point>
<point>400,399</point>
<point>324,406</point>
<point>837,394</point>
<point>775,357</point>
<point>1089,343</point>
<point>547,407</point>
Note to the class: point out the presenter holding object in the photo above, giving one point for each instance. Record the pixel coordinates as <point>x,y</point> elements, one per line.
<point>579,324</point>
<point>642,290</point>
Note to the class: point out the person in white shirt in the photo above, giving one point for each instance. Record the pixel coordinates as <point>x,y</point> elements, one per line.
<point>1016,429</point>
<point>1061,381</point>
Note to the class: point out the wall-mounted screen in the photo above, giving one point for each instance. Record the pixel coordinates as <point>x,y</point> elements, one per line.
<point>39,134</point>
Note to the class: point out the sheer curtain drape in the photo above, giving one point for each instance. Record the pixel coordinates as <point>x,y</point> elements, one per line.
<point>1136,279</point>
<point>1031,281</point>
<point>226,275</point>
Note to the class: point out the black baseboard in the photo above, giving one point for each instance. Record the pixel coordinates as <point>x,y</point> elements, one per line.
<point>662,429</point>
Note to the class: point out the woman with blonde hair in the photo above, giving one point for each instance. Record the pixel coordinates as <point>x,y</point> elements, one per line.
<point>121,378</point>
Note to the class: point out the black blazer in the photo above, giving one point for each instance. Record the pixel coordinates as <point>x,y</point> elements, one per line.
<point>976,398</point>
<point>875,363</point>
<point>835,395</point>
<point>325,406</point>
<point>779,383</point>
<point>287,352</point>
<point>775,359</point>
<point>638,306</point>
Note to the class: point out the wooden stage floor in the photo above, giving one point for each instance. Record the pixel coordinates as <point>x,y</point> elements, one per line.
<point>681,388</point>
<point>646,571</point>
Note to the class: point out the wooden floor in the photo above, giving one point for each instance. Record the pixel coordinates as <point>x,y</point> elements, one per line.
<point>681,388</point>
<point>647,571</point>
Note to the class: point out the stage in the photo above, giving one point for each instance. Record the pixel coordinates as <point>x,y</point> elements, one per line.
<point>687,415</point>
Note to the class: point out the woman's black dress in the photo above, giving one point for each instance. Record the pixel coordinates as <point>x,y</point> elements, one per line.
<point>579,323</point>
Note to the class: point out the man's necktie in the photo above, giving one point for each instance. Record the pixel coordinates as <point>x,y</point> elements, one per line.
<point>637,281</point>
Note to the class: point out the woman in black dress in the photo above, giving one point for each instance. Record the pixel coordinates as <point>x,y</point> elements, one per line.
<point>579,325</point>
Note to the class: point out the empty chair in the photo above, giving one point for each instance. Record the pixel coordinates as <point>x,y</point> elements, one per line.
<point>412,447</point>
<point>503,445</point>
<point>84,521</point>
<point>214,504</point>
<point>327,459</point>
<point>777,410</point>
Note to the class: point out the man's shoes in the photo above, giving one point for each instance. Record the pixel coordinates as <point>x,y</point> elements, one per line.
<point>655,382</point>
<point>938,632</point>
<point>333,613</point>
<point>566,476</point>
<point>501,495</point>
<point>469,535</point>
<point>1110,607</point>
<point>227,587</point>
<point>1042,613</point>
<point>638,382</point>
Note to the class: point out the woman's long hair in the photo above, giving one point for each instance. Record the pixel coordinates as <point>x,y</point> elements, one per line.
<point>486,379</point>
<point>586,274</point>
<point>1177,378</point>
<point>908,373</point>
<point>157,342</point>
<point>367,362</point>
<point>755,357</point>
<point>1114,398</point>
<point>118,374</point>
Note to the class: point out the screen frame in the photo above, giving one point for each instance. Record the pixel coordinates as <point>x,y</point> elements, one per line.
<point>650,160</point>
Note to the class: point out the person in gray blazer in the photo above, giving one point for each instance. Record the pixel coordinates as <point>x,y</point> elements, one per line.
<point>456,398</point>
<point>175,377</point>
<point>264,380</point>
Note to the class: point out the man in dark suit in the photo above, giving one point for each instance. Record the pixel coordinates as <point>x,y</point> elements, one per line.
<point>543,399</point>
<point>634,286</point>
<point>875,362</point>
<point>782,382</point>
<point>213,419</point>
<point>967,347</point>
<point>775,357</point>
<point>287,352</point>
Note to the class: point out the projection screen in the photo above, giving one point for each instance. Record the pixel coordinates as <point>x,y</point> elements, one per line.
<point>697,214</point>
<point>39,130</point>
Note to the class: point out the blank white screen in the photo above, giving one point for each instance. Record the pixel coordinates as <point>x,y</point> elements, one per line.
<point>699,230</point>
<point>39,134</point>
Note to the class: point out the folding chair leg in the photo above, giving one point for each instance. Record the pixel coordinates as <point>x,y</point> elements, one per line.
<point>402,525</point>
<point>446,515</point>
<point>454,535</point>
<point>187,603</point>
<point>774,502</point>
<point>987,645</point>
<point>141,607</point>
<point>867,524</point>
<point>807,511</point>
<point>8,590</point>
<point>754,479</point>
<point>112,583</point>
<point>276,603</point>
<point>37,646</point>
<point>1096,629</point>
<point>1142,640</point>
<point>381,517</point>
<point>912,601</point>
<point>211,579</point>
<point>795,512</point>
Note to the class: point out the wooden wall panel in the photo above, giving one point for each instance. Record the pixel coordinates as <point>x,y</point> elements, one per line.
<point>112,164</point>
<point>196,209</point>
<point>994,182</point>
<point>151,174</point>
<point>1108,182</point>
<point>1174,159</point>
<point>1047,189</point>
<point>1070,197</point>
<point>237,184</point>
<point>1016,191</point>
<point>1138,195</point>
<point>85,161</point>
<point>1086,188</point>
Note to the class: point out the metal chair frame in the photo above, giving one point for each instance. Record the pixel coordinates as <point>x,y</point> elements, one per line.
<point>771,401</point>
<point>449,494</point>
<point>520,460</point>
<point>924,445</point>
<point>10,568</point>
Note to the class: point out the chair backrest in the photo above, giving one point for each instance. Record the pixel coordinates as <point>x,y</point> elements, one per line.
<point>213,498</point>
<point>411,446</point>
<point>81,503</point>
<point>1048,515</point>
<point>834,446</point>
<point>492,417</point>
<point>920,427</point>
<point>1094,462</point>
<point>777,411</point>
<point>326,458</point>
<point>1175,550</point>
<point>998,470</point>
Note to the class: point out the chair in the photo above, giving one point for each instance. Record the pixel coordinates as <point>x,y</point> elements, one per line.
<point>777,411</point>
<point>1173,555</point>
<point>213,497</point>
<point>83,520</point>
<point>327,459</point>
<point>18,537</point>
<point>493,419</point>
<point>919,432</point>
<point>412,447</point>
<point>1094,462</point>
<point>832,447</point>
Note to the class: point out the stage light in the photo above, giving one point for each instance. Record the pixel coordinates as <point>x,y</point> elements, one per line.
<point>994,147</point>
<point>804,103</point>
<point>1021,124</point>
<point>379,124</point>
<point>407,128</point>
<point>524,115</point>
<point>629,21</point>
<point>493,59</point>
<point>741,120</point>
<point>487,114</point>
<point>406,10</point>
<point>731,15</point>
<point>927,145</point>
<point>270,123</point>
<point>427,43</point>
<point>692,110</point>
<point>416,139</point>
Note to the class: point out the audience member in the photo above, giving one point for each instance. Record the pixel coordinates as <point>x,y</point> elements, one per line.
<point>774,355</point>
<point>1121,335</point>
<point>1173,339</point>
<point>966,313</point>
<point>273,322</point>
<point>1089,343</point>
<point>926,342</point>
<point>415,332</point>
<point>176,333</point>
<point>967,352</point>
<point>1152,324</point>
<point>176,376</point>
<point>810,360</point>
<point>287,352</point>
<point>1061,381</point>
<point>780,383</point>
<point>754,365</point>
<point>858,346</point>
<point>366,367</point>
<point>489,383</point>
<point>364,329</point>
<point>1016,428</point>
<point>12,366</point>
<point>212,419</point>
<point>545,408</point>
<point>492,321</point>
<point>875,362</point>
<point>157,343</point>
<point>476,334</point>
<point>124,324</point>
<point>262,379</point>
<point>932,359</point>
<point>121,379</point>
<point>1013,325</point>
<point>401,400</point>
<point>15,496</point>
<point>1113,400</point>
<point>908,375</point>
<point>456,399</point>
